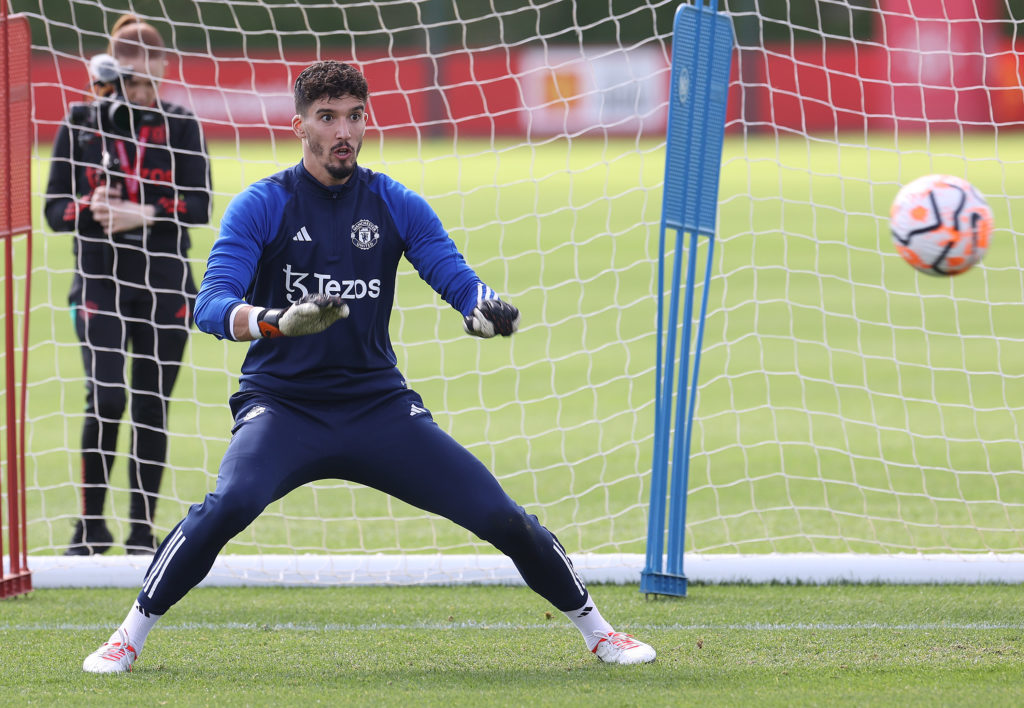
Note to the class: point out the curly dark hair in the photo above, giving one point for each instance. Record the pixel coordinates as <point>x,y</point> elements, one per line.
<point>330,79</point>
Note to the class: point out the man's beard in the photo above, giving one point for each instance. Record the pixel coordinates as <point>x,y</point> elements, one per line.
<point>342,171</point>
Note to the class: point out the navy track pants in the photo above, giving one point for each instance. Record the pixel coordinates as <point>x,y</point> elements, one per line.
<point>388,443</point>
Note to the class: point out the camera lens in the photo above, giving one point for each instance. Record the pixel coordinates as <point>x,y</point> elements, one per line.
<point>120,115</point>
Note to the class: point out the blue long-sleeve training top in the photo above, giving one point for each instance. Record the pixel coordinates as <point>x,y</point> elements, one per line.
<point>288,235</point>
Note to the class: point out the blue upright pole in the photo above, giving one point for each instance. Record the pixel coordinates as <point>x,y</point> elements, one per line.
<point>701,60</point>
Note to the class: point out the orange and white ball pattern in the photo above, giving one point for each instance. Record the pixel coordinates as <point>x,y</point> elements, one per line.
<point>940,224</point>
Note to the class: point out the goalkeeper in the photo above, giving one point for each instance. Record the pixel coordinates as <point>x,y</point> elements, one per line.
<point>304,267</point>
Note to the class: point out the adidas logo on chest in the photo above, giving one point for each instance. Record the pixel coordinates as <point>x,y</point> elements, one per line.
<point>365,235</point>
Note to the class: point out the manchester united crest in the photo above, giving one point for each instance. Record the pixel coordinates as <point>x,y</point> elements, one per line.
<point>365,234</point>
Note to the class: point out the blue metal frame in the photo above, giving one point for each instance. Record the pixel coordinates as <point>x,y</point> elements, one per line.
<point>702,44</point>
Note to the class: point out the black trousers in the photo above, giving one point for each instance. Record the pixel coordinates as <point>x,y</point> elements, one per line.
<point>133,338</point>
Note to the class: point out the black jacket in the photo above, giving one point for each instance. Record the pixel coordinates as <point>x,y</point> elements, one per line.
<point>174,176</point>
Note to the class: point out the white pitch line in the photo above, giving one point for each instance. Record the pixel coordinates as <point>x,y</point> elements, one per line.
<point>559,625</point>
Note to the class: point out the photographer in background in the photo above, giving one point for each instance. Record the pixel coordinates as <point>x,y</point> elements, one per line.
<point>129,174</point>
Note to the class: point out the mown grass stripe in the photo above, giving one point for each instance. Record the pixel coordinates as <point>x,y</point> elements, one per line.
<point>554,624</point>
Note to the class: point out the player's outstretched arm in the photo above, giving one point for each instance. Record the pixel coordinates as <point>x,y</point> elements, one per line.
<point>310,315</point>
<point>491,317</point>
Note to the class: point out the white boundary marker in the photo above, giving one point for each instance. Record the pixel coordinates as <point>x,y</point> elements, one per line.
<point>438,569</point>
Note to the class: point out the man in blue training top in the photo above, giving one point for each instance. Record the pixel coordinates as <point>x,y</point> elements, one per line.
<point>299,251</point>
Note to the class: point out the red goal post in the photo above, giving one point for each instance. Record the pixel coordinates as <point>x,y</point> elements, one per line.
<point>15,219</point>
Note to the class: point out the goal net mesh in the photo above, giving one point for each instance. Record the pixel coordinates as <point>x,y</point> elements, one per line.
<point>846,403</point>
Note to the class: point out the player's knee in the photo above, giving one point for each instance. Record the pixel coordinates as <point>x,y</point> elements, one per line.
<point>108,402</point>
<point>228,513</point>
<point>512,529</point>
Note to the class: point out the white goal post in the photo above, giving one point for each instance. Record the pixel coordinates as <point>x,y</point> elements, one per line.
<point>855,420</point>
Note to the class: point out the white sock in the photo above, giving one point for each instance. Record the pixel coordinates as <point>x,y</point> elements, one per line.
<point>588,620</point>
<point>137,625</point>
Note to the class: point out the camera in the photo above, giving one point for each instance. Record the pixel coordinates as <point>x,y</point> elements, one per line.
<point>109,114</point>
<point>110,111</point>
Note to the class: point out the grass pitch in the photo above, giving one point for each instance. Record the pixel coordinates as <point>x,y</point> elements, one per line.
<point>481,646</point>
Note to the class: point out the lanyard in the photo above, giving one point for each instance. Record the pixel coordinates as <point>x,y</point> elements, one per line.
<point>131,172</point>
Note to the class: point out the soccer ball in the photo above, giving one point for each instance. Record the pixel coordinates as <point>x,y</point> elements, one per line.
<point>940,224</point>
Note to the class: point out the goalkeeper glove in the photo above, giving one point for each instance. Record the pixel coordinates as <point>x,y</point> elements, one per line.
<point>491,317</point>
<point>310,315</point>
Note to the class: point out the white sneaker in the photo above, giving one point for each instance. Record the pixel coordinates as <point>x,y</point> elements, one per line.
<point>619,648</point>
<point>112,657</point>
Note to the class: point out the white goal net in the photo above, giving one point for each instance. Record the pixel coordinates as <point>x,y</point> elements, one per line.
<point>848,407</point>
